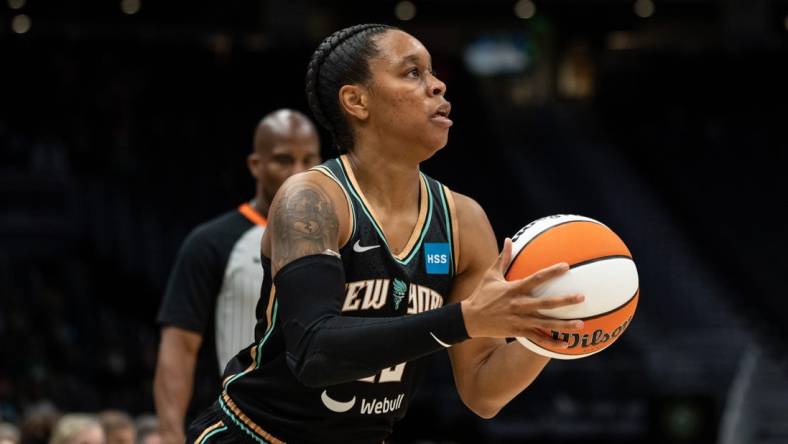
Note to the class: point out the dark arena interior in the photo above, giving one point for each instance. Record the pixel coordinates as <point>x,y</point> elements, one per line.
<point>124,124</point>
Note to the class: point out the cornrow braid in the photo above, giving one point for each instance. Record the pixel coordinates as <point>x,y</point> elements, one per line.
<point>341,59</point>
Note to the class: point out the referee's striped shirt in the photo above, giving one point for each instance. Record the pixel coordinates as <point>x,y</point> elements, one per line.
<point>214,287</point>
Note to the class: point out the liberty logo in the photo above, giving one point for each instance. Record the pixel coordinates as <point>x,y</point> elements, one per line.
<point>400,288</point>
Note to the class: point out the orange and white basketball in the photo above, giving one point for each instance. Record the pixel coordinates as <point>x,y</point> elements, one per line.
<point>601,268</point>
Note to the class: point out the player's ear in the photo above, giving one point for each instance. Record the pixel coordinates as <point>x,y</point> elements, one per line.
<point>254,162</point>
<point>353,100</point>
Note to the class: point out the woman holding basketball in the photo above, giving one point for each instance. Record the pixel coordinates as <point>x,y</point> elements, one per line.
<point>374,266</point>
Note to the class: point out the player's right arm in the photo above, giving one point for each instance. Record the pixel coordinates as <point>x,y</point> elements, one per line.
<point>308,221</point>
<point>306,218</point>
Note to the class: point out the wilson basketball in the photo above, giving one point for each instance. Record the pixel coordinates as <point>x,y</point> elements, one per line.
<point>601,268</point>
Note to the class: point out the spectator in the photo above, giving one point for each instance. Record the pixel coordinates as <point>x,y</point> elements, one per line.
<point>9,433</point>
<point>78,428</point>
<point>38,423</point>
<point>148,429</point>
<point>118,427</point>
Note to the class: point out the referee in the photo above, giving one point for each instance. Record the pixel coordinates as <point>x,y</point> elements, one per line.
<point>213,289</point>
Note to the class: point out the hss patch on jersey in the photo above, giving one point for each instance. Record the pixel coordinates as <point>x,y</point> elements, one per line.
<point>436,258</point>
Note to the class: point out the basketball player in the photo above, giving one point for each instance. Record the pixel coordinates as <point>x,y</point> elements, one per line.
<point>216,281</point>
<point>371,265</point>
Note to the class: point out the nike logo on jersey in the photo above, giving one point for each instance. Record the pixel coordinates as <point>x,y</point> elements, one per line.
<point>336,406</point>
<point>359,249</point>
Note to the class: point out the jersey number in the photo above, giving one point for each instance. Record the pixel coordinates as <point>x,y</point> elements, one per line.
<point>391,374</point>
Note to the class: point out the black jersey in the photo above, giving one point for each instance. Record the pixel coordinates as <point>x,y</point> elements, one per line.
<point>262,398</point>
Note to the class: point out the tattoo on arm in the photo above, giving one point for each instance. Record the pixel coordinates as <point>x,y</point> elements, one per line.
<point>304,222</point>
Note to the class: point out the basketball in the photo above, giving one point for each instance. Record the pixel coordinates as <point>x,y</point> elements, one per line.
<point>600,267</point>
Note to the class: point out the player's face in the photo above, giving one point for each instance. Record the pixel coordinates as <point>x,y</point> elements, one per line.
<point>289,156</point>
<point>406,100</point>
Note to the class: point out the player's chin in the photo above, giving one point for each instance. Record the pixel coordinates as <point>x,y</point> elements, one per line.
<point>434,145</point>
<point>438,138</point>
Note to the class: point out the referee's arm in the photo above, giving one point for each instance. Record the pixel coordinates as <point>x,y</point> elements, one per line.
<point>185,312</point>
<point>174,380</point>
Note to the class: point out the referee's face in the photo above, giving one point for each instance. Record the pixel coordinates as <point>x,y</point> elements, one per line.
<point>289,156</point>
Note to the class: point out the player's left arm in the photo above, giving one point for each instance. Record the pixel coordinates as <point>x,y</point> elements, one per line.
<point>488,372</point>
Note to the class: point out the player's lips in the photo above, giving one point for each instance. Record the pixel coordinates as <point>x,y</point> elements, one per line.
<point>441,115</point>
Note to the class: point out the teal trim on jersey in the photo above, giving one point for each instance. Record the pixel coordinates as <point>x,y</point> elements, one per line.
<point>268,333</point>
<point>240,425</point>
<point>349,201</point>
<point>424,228</point>
<point>449,228</point>
<point>259,346</point>
<point>427,222</point>
<point>219,430</point>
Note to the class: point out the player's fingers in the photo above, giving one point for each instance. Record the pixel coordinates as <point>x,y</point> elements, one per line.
<point>557,301</point>
<point>505,257</point>
<point>546,323</point>
<point>542,276</point>
<point>544,340</point>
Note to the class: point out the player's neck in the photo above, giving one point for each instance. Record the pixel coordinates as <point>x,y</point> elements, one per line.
<point>387,181</point>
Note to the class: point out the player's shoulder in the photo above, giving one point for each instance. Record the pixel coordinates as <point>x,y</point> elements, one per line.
<point>469,212</point>
<point>476,238</point>
<point>314,191</point>
<point>310,181</point>
<point>308,178</point>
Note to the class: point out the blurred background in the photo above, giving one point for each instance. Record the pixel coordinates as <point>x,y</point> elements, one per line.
<point>124,124</point>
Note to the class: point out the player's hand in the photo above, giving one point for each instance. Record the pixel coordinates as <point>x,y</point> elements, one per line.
<point>502,309</point>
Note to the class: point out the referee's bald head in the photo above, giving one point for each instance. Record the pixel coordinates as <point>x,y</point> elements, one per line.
<point>283,125</point>
<point>285,143</point>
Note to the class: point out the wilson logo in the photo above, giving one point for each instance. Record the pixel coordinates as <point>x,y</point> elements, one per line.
<point>590,339</point>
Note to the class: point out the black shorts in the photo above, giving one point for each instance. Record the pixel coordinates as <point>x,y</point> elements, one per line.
<point>211,428</point>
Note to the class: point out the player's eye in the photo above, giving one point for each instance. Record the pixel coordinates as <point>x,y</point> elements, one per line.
<point>414,73</point>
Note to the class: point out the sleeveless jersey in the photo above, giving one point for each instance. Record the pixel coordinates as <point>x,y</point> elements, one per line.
<point>262,398</point>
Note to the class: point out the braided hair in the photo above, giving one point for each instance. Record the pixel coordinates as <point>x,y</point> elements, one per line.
<point>341,59</point>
